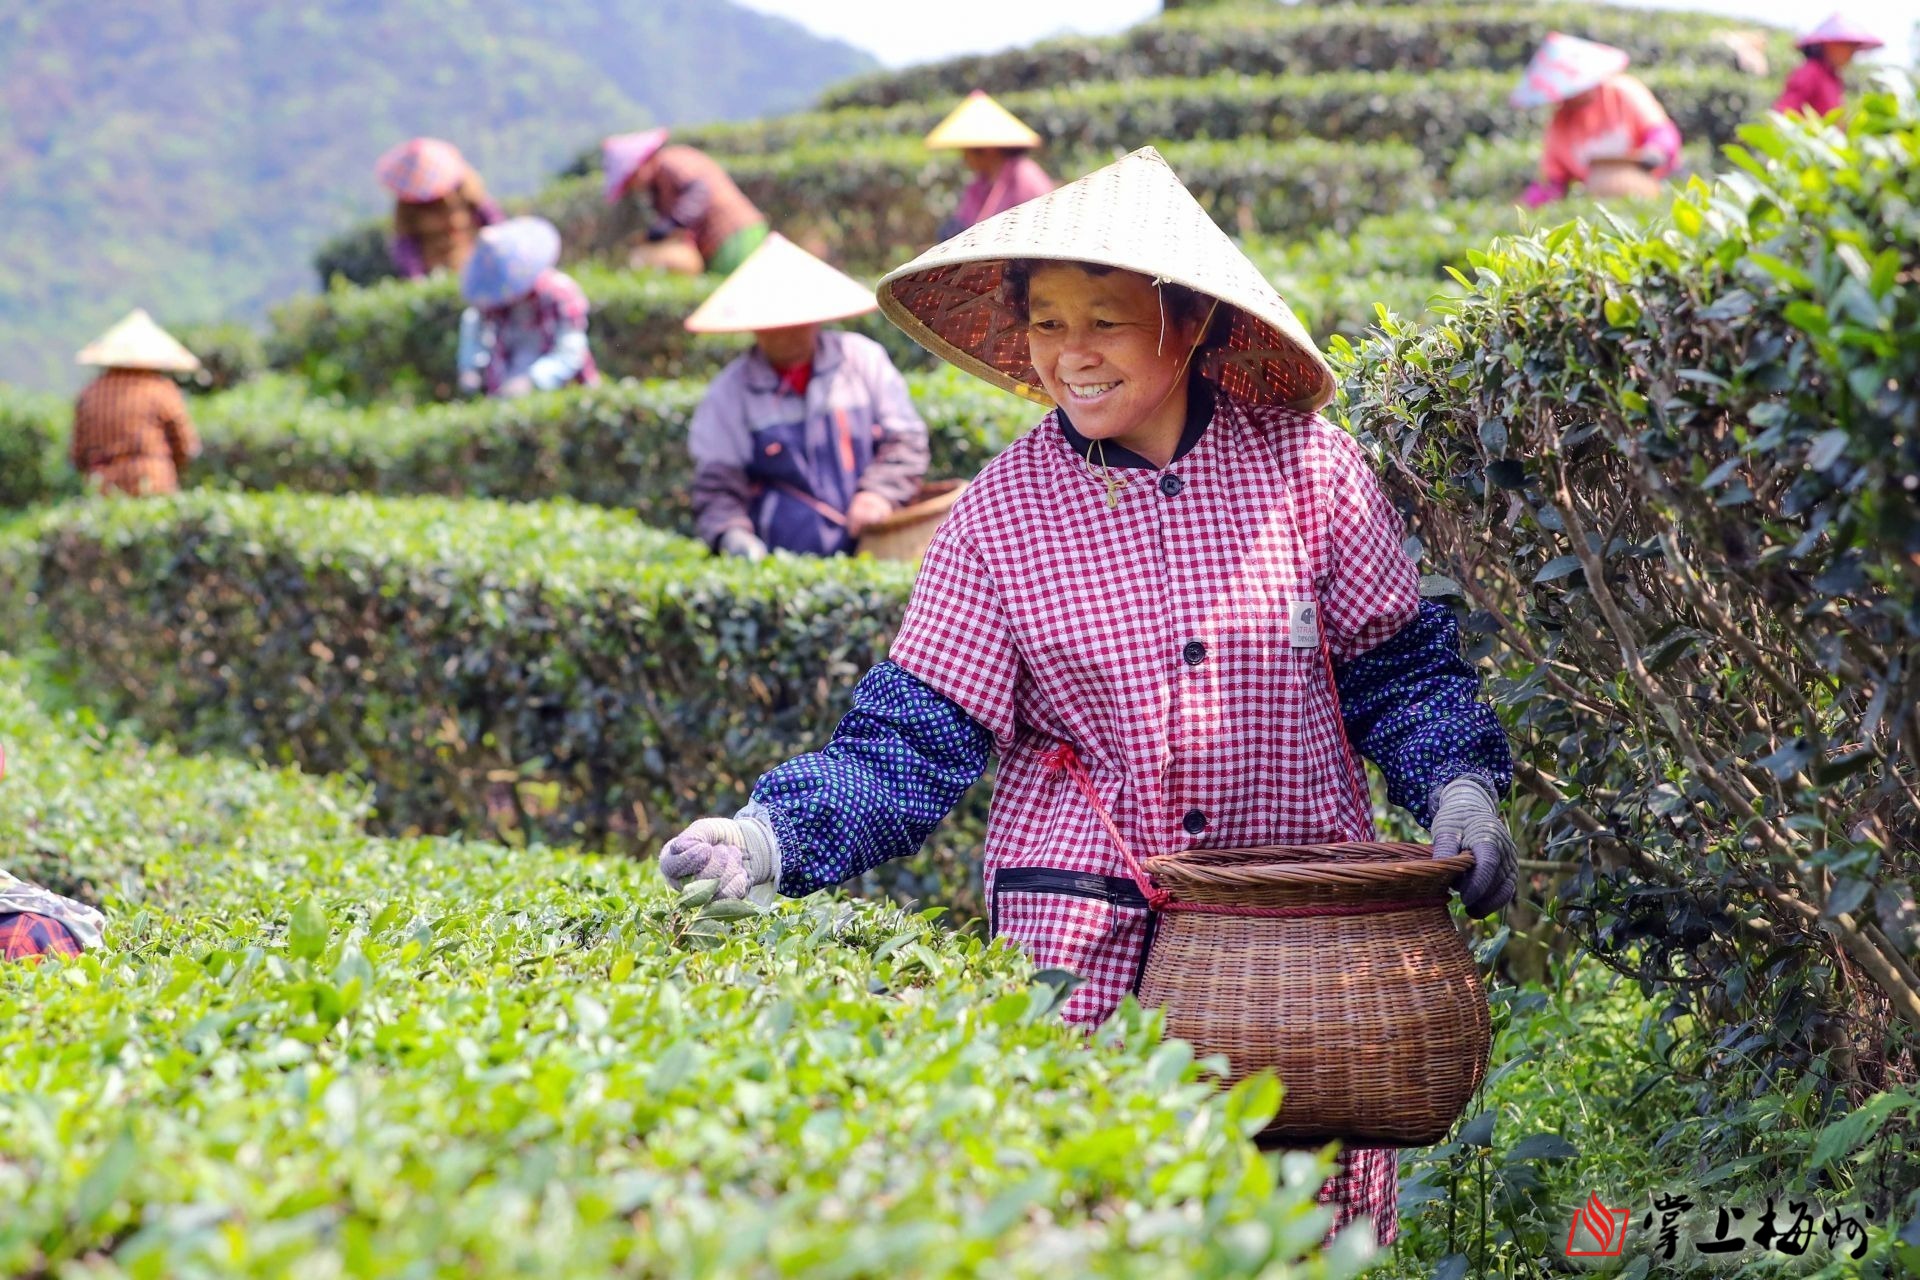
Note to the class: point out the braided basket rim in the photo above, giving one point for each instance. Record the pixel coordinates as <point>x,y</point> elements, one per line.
<point>1364,868</point>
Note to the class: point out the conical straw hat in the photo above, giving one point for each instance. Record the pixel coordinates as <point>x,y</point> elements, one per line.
<point>1134,215</point>
<point>1840,29</point>
<point>780,284</point>
<point>421,169</point>
<point>979,121</point>
<point>138,343</point>
<point>622,155</point>
<point>1565,67</point>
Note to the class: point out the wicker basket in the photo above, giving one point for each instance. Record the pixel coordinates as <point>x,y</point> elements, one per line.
<point>1366,1004</point>
<point>904,535</point>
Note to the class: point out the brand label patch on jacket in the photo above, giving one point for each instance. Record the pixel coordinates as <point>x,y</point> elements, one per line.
<point>1303,624</point>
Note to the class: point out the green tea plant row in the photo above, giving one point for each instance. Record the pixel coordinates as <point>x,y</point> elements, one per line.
<point>1305,39</point>
<point>1435,111</point>
<point>398,339</point>
<point>308,1050</point>
<point>874,205</point>
<point>622,444</point>
<point>1676,472</point>
<point>543,672</point>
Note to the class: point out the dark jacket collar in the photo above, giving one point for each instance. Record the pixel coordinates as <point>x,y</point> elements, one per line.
<point>1200,403</point>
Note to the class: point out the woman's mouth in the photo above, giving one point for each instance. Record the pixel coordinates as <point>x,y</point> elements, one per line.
<point>1088,392</point>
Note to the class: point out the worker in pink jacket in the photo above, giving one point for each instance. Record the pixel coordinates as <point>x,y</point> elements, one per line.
<point>1601,116</point>
<point>1815,84</point>
<point>994,143</point>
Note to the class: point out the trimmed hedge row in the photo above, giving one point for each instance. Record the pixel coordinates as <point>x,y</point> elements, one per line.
<point>1678,473</point>
<point>622,444</point>
<point>305,1051</point>
<point>398,339</point>
<point>1435,111</point>
<point>547,672</point>
<point>1304,39</point>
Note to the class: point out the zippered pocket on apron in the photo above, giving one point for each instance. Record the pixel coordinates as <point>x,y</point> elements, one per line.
<point>1098,927</point>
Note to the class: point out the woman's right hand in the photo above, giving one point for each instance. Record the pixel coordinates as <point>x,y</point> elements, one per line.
<point>739,853</point>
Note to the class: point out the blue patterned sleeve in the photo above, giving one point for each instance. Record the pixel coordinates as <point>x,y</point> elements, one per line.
<point>897,764</point>
<point>1412,706</point>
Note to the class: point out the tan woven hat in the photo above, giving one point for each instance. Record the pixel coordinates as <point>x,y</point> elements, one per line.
<point>979,121</point>
<point>779,285</point>
<point>138,343</point>
<point>1135,215</point>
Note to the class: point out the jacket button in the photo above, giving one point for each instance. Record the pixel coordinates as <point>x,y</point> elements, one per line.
<point>1195,822</point>
<point>1171,485</point>
<point>1195,653</point>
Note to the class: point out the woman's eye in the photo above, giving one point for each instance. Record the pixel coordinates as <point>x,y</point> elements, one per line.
<point>1104,324</point>
<point>1045,326</point>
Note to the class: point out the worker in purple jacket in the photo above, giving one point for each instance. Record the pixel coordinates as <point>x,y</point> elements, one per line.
<point>810,437</point>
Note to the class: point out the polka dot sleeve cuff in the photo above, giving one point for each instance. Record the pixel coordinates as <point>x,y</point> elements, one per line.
<point>897,764</point>
<point>1411,705</point>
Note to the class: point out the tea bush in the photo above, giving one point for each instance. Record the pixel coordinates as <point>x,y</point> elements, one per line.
<point>1676,472</point>
<point>398,339</point>
<point>1303,39</point>
<point>1435,111</point>
<point>35,429</point>
<point>230,354</point>
<point>304,1049</point>
<point>622,444</point>
<point>551,672</point>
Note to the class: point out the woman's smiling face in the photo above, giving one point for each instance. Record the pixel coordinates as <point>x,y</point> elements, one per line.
<point>1106,351</point>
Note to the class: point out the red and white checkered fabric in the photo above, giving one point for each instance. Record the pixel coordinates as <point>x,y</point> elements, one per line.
<point>1049,616</point>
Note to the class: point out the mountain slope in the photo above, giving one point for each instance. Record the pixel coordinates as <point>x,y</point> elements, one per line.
<point>186,155</point>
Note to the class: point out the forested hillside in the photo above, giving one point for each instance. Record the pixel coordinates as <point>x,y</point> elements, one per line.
<point>187,155</point>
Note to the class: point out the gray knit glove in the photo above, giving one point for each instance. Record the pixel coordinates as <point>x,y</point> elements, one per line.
<point>1466,814</point>
<point>740,853</point>
<point>743,543</point>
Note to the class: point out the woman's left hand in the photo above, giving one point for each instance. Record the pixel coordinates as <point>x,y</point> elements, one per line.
<point>1467,816</point>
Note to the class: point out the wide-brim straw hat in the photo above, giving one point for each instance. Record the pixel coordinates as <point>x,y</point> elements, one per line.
<point>1565,67</point>
<point>138,343</point>
<point>622,155</point>
<point>421,169</point>
<point>1133,215</point>
<point>1840,29</point>
<point>780,285</point>
<point>508,258</point>
<point>979,121</point>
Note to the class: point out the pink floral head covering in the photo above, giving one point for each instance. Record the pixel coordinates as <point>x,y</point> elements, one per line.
<point>1566,67</point>
<point>421,169</point>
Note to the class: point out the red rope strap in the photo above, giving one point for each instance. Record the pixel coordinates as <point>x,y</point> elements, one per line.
<point>1063,759</point>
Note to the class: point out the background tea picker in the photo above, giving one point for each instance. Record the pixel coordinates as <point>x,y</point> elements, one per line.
<point>809,436</point>
<point>132,433</point>
<point>1182,574</point>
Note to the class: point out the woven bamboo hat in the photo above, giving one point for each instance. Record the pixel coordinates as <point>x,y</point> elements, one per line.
<point>979,121</point>
<point>1565,67</point>
<point>1840,29</point>
<point>138,343</point>
<point>421,169</point>
<point>1134,215</point>
<point>780,285</point>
